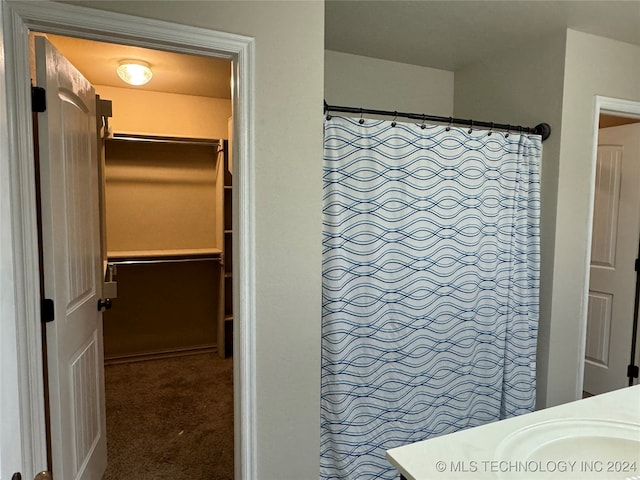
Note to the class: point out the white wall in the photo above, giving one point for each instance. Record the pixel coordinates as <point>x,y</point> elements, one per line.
<point>357,81</point>
<point>593,66</point>
<point>288,130</point>
<point>524,86</point>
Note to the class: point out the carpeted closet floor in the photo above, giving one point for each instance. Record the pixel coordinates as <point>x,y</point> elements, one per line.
<point>170,419</point>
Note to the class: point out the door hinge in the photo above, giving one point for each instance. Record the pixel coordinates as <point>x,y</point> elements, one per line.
<point>38,99</point>
<point>47,313</point>
<point>105,108</point>
<point>632,371</point>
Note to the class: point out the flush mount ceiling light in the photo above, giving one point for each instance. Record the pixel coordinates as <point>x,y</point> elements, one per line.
<point>134,72</point>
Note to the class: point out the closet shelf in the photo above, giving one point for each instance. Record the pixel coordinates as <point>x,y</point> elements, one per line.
<point>157,256</point>
<point>178,252</point>
<point>130,137</point>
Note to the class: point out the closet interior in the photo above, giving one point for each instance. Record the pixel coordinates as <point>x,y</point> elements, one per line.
<point>168,238</point>
<point>166,200</point>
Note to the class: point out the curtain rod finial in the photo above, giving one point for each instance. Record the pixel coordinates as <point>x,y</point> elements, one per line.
<point>543,129</point>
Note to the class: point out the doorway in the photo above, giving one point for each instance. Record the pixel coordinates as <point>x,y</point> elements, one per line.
<point>611,349</point>
<point>167,236</point>
<point>76,21</point>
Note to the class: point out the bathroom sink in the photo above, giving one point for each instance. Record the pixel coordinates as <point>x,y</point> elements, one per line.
<point>571,448</point>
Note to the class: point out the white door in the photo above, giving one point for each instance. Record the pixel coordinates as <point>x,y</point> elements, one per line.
<point>616,232</point>
<point>72,267</point>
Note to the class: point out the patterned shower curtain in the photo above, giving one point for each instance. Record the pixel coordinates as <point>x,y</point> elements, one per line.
<point>430,286</point>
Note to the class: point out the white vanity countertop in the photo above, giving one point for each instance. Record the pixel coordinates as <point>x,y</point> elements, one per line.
<point>503,450</point>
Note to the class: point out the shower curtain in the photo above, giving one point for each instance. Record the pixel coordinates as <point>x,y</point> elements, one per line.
<point>430,286</point>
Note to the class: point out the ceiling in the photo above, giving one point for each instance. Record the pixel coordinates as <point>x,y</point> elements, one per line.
<point>172,72</point>
<point>440,34</point>
<point>451,34</point>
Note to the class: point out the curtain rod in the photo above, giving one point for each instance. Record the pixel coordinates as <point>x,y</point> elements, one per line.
<point>542,129</point>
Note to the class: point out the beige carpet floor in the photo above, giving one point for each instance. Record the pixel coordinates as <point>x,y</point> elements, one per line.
<point>170,419</point>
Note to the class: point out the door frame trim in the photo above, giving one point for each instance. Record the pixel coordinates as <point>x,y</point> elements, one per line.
<point>624,108</point>
<point>48,17</point>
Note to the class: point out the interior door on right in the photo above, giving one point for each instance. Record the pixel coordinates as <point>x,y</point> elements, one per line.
<point>616,232</point>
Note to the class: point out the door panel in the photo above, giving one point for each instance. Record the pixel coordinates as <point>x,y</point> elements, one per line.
<point>72,267</point>
<point>599,328</point>
<point>616,229</point>
<point>607,201</point>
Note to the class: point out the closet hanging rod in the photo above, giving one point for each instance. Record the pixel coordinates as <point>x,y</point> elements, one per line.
<point>160,139</point>
<point>163,260</point>
<point>542,129</point>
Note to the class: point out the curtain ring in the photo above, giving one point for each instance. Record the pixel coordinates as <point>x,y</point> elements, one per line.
<point>361,121</point>
<point>470,127</point>
<point>423,126</point>
<point>506,135</point>
<point>393,122</point>
<point>449,126</point>
<point>490,130</point>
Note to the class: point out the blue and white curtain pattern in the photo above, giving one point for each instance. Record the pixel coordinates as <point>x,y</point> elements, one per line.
<point>430,286</point>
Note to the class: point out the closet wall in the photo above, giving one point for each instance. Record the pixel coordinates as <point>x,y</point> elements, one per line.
<point>163,205</point>
<point>168,114</point>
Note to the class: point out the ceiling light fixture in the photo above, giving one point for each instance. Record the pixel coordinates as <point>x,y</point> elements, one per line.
<point>134,72</point>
